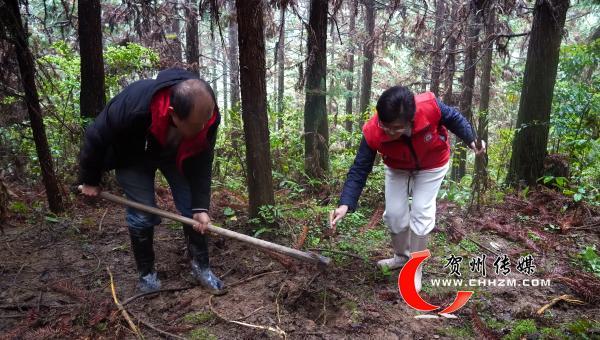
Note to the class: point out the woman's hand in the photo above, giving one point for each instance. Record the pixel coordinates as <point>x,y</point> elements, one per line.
<point>203,221</point>
<point>478,151</point>
<point>336,215</point>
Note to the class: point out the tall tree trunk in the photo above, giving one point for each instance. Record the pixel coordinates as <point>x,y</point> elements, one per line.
<point>234,66</point>
<point>175,50</point>
<point>480,180</point>
<point>281,66</point>
<point>369,56</point>
<point>91,97</point>
<point>450,65</point>
<point>531,135</point>
<point>254,103</point>
<point>192,45</point>
<point>213,68</point>
<point>350,69</point>
<point>10,19</point>
<point>459,164</point>
<point>316,127</point>
<point>224,78</point>
<point>436,60</point>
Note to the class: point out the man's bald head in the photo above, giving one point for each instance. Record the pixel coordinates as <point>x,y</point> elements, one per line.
<point>192,104</point>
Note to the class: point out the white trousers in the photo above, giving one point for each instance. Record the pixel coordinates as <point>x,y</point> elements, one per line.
<point>424,186</point>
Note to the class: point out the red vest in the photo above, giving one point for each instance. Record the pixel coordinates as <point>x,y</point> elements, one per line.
<point>428,146</point>
<point>160,128</point>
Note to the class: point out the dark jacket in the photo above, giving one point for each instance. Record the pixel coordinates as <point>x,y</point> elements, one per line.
<point>120,137</point>
<point>363,163</point>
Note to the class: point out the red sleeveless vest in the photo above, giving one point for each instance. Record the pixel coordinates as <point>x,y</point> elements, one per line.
<point>428,146</point>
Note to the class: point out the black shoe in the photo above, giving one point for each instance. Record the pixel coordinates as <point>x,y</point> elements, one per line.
<point>143,252</point>
<point>198,251</point>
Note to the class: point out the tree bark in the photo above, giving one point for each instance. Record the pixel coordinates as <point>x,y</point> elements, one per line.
<point>369,56</point>
<point>436,60</point>
<point>480,180</point>
<point>459,164</point>
<point>92,95</point>
<point>234,66</point>
<point>316,127</point>
<point>10,18</point>
<point>254,104</point>
<point>350,69</point>
<point>192,45</point>
<point>450,64</point>
<point>533,121</point>
<point>281,67</point>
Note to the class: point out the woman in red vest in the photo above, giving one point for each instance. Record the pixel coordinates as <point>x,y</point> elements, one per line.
<point>410,133</point>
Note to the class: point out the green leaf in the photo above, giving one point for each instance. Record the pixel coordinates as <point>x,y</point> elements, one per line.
<point>228,212</point>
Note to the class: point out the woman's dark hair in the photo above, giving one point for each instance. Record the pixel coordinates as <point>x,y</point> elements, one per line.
<point>396,103</point>
<point>182,96</point>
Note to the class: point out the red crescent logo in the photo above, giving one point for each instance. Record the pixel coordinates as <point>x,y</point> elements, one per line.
<point>406,286</point>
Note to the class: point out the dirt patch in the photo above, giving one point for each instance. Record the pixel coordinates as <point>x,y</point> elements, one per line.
<point>54,281</point>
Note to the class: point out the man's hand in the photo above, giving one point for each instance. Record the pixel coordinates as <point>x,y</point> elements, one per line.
<point>203,221</point>
<point>89,190</point>
<point>337,215</point>
<point>478,151</point>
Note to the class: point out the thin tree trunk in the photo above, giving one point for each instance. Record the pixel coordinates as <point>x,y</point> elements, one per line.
<point>254,104</point>
<point>316,127</point>
<point>480,180</point>
<point>213,68</point>
<point>192,46</point>
<point>174,42</point>
<point>281,67</point>
<point>531,135</point>
<point>466,98</point>
<point>436,60</point>
<point>234,66</point>
<point>450,65</point>
<point>91,97</point>
<point>224,78</point>
<point>369,56</point>
<point>10,19</point>
<point>350,69</point>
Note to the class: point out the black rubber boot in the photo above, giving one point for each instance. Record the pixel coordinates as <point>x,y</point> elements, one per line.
<point>197,246</point>
<point>143,252</point>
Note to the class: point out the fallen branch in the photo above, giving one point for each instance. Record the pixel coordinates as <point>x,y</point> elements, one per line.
<point>137,296</point>
<point>132,325</point>
<point>156,329</point>
<point>275,330</point>
<point>254,277</point>
<point>102,220</point>
<point>566,298</point>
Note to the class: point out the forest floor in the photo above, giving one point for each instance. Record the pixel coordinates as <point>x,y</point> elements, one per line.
<point>54,277</point>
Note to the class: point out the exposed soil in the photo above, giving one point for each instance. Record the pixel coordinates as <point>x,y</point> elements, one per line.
<point>54,280</point>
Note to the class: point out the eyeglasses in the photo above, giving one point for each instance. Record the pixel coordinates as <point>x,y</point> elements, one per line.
<point>390,131</point>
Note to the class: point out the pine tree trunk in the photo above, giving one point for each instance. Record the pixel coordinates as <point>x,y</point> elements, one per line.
<point>450,65</point>
<point>234,66</point>
<point>10,19</point>
<point>459,164</point>
<point>254,104</point>
<point>350,69</point>
<point>91,97</point>
<point>531,136</point>
<point>436,60</point>
<point>192,45</point>
<point>480,180</point>
<point>369,56</point>
<point>281,67</point>
<point>316,127</point>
